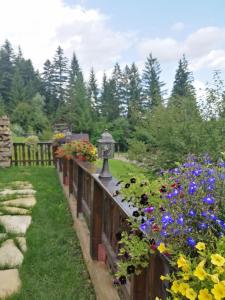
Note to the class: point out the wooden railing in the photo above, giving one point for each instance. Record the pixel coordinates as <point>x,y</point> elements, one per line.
<point>24,154</point>
<point>106,216</point>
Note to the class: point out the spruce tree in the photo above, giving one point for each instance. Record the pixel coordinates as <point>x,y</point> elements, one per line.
<point>60,73</point>
<point>183,83</point>
<point>134,101</point>
<point>74,70</point>
<point>152,86</point>
<point>48,86</point>
<point>93,93</point>
<point>118,90</point>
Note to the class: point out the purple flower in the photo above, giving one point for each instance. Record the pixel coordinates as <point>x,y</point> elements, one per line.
<point>149,209</point>
<point>164,233</point>
<point>208,199</point>
<point>191,242</point>
<point>167,219</point>
<point>192,213</point>
<point>203,226</point>
<point>192,188</point>
<point>211,180</point>
<point>180,220</point>
<point>197,172</point>
<point>175,192</point>
<point>169,195</point>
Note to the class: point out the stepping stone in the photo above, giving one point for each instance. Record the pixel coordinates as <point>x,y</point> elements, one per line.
<point>21,184</point>
<point>10,255</point>
<point>14,210</point>
<point>22,244</point>
<point>20,192</point>
<point>9,283</point>
<point>27,202</point>
<point>15,224</point>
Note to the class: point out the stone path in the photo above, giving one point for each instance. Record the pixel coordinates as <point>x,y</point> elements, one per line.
<point>16,203</point>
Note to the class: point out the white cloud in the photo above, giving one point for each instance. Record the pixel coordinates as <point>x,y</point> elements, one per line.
<point>205,48</point>
<point>178,26</point>
<point>40,26</point>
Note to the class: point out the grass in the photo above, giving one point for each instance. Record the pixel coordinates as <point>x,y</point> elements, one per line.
<point>53,267</point>
<point>119,168</point>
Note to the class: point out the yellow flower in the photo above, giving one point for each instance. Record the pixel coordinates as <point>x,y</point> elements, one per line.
<point>175,287</point>
<point>162,248</point>
<point>215,278</point>
<point>199,272</point>
<point>186,277</point>
<point>183,264</point>
<point>217,260</point>
<point>204,295</point>
<point>220,270</point>
<point>190,294</point>
<point>183,288</point>
<point>163,277</point>
<point>200,246</point>
<point>219,290</point>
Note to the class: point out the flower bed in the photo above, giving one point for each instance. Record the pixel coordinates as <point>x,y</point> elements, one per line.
<point>178,215</point>
<point>82,150</point>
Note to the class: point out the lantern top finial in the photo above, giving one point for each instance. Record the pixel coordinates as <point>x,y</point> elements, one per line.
<point>106,137</point>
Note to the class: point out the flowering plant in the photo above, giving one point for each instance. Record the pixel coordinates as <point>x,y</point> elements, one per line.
<point>82,150</point>
<point>59,138</point>
<point>202,276</point>
<point>181,208</point>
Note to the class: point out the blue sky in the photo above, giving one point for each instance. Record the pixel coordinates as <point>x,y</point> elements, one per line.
<point>103,32</point>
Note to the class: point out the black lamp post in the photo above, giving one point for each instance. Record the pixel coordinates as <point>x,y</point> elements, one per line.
<point>106,146</point>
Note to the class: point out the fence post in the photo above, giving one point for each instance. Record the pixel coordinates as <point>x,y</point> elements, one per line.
<point>139,286</point>
<point>64,170</point>
<point>71,176</point>
<point>96,218</point>
<point>79,190</point>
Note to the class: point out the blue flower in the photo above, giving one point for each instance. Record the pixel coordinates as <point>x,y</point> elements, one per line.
<point>191,242</point>
<point>211,180</point>
<point>180,220</point>
<point>203,226</point>
<point>208,199</point>
<point>192,188</point>
<point>167,219</point>
<point>192,213</point>
<point>197,172</point>
<point>164,233</point>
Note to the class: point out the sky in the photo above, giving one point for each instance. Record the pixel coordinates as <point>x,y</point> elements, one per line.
<point>103,32</point>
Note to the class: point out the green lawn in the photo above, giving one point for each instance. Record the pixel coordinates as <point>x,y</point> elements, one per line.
<point>53,268</point>
<point>120,168</point>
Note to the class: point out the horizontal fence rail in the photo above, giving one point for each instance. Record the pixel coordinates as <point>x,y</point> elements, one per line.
<point>106,216</point>
<point>40,154</point>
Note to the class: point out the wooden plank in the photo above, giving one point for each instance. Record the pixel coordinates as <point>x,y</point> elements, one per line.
<point>28,155</point>
<point>15,154</point>
<point>96,220</point>
<point>79,190</point>
<point>42,154</point>
<point>49,154</point>
<point>71,176</point>
<point>23,154</point>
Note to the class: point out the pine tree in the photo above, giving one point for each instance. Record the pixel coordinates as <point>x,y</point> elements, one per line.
<point>93,93</point>
<point>118,82</point>
<point>152,86</point>
<point>74,70</point>
<point>18,89</point>
<point>60,76</point>
<point>134,101</point>
<point>183,84</point>
<point>49,90</point>
<point>6,73</point>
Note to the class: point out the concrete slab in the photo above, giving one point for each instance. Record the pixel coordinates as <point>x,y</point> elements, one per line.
<point>10,283</point>
<point>15,224</point>
<point>27,202</point>
<point>10,255</point>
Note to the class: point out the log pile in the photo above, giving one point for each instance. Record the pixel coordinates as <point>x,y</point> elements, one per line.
<point>5,142</point>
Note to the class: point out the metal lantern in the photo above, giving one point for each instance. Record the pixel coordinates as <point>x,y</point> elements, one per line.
<point>106,145</point>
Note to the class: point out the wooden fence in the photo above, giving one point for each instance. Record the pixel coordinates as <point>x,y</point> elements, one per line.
<point>106,216</point>
<point>24,154</point>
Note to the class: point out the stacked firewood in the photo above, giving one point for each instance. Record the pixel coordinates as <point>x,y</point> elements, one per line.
<point>5,142</point>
